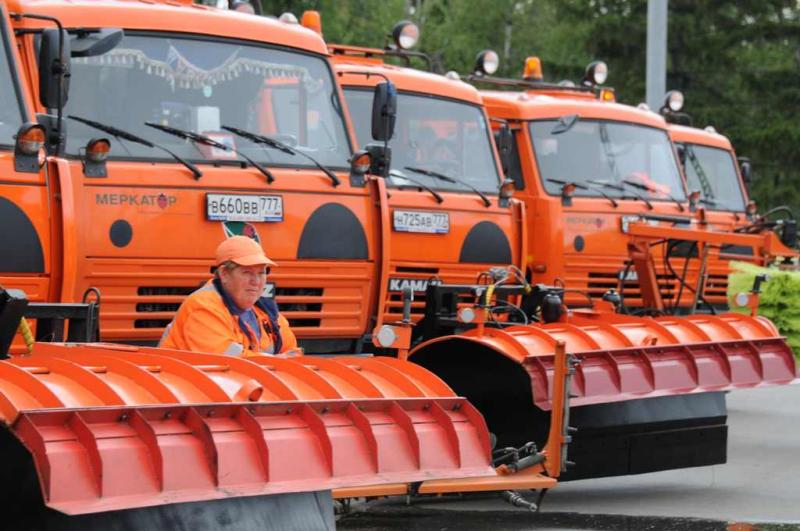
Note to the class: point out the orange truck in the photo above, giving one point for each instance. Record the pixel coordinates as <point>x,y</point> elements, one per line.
<point>134,202</point>
<point>713,169</point>
<point>128,435</point>
<point>443,168</point>
<point>604,189</point>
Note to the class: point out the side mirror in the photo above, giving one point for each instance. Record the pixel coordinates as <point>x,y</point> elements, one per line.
<point>54,67</point>
<point>747,171</point>
<point>681,153</point>
<point>384,111</point>
<point>503,137</point>
<point>95,43</point>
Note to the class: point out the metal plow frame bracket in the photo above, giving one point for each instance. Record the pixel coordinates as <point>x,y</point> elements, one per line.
<point>110,458</point>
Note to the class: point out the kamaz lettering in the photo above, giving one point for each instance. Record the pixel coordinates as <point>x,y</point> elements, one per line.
<point>417,285</point>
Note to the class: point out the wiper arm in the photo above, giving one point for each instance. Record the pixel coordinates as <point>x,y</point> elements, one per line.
<point>604,184</point>
<point>395,173</point>
<point>641,186</point>
<point>709,202</point>
<point>640,197</point>
<point>276,144</point>
<point>130,137</point>
<point>202,139</point>
<point>447,178</point>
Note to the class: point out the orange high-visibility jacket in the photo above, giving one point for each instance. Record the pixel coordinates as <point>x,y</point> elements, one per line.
<point>205,324</point>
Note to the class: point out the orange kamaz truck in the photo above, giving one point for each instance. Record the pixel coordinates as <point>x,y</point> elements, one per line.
<point>604,189</point>
<point>722,180</point>
<point>450,219</point>
<point>169,140</point>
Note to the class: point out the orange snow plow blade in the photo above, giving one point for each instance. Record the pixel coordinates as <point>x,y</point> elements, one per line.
<point>624,358</point>
<point>646,394</point>
<point>112,427</point>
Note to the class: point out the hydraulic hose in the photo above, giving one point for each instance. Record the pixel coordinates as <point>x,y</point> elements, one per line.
<point>25,329</point>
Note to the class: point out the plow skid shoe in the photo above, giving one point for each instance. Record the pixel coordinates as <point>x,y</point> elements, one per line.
<point>108,429</point>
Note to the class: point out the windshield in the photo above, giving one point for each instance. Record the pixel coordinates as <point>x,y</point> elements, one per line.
<point>199,85</point>
<point>433,134</point>
<point>10,110</point>
<point>713,172</point>
<point>616,158</point>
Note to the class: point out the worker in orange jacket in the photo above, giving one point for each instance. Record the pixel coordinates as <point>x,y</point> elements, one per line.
<point>228,315</point>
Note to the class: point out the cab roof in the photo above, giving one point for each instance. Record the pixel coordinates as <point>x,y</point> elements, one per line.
<point>180,16</point>
<point>536,105</point>
<point>693,135</point>
<point>406,79</point>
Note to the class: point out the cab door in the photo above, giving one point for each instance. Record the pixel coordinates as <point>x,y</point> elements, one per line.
<point>25,213</point>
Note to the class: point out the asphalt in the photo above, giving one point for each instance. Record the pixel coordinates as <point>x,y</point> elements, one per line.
<point>760,483</point>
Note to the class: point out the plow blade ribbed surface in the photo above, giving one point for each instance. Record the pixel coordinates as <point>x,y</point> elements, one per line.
<point>624,358</point>
<point>112,428</point>
<point>605,376</point>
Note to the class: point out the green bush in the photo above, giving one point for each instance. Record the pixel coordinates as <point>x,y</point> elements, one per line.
<point>779,300</point>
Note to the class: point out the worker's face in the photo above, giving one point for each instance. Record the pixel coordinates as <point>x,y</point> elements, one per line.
<point>244,284</point>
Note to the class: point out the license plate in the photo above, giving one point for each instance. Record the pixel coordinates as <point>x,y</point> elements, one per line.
<point>234,207</point>
<point>418,221</point>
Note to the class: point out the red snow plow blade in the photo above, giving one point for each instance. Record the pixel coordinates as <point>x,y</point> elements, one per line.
<point>113,427</point>
<point>645,396</point>
<point>693,354</point>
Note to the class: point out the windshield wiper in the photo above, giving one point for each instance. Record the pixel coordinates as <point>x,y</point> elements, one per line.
<point>130,137</point>
<point>202,139</point>
<point>608,185</point>
<point>420,184</point>
<point>647,189</point>
<point>453,180</point>
<point>276,144</point>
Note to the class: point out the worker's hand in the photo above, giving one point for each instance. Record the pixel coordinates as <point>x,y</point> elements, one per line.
<point>291,353</point>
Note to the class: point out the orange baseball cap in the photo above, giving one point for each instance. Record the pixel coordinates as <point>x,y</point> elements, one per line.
<point>243,251</point>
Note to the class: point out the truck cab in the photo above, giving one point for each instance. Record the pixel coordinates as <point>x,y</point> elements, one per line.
<point>138,223</point>
<point>447,218</point>
<point>586,166</point>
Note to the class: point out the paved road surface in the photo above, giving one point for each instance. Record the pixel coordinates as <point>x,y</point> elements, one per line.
<point>760,482</point>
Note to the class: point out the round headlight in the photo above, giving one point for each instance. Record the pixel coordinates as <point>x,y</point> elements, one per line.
<point>596,73</point>
<point>405,34</point>
<point>674,100</point>
<point>487,62</point>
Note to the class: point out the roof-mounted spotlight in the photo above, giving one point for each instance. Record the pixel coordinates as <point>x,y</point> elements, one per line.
<point>288,18</point>
<point>405,34</point>
<point>710,129</point>
<point>487,62</point>
<point>673,101</point>
<point>242,6</point>
<point>596,74</point>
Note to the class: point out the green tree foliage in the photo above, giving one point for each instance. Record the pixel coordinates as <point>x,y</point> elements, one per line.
<point>738,63</point>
